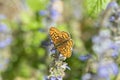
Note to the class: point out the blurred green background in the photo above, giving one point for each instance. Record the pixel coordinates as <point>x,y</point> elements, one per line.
<point>24,37</point>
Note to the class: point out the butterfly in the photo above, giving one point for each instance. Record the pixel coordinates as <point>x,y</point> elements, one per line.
<point>62,41</point>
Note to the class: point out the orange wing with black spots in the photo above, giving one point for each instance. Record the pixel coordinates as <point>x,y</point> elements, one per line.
<point>62,41</point>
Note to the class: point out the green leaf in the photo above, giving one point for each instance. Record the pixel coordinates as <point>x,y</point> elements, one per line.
<point>95,6</point>
<point>38,37</point>
<point>25,70</point>
<point>25,17</point>
<point>41,52</point>
<point>36,5</point>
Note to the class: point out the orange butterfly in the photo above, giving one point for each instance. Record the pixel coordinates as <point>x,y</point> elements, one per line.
<point>62,41</point>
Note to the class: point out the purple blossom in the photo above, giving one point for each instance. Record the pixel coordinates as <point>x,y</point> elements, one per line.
<point>86,76</point>
<point>114,68</point>
<point>96,39</point>
<point>114,46</point>
<point>59,78</point>
<point>112,4</point>
<point>105,71</point>
<point>43,12</point>
<point>54,14</point>
<point>53,50</point>
<point>5,42</point>
<point>3,27</point>
<point>84,57</point>
<point>4,31</point>
<point>102,46</point>
<point>115,54</point>
<point>51,42</point>
<point>112,18</point>
<point>55,78</point>
<point>52,47</point>
<point>46,43</point>
<point>104,33</point>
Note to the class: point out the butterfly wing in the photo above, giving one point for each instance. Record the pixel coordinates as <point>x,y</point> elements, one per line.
<point>66,46</point>
<point>55,35</point>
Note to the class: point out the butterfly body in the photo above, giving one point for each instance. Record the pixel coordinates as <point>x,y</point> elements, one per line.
<point>62,41</point>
